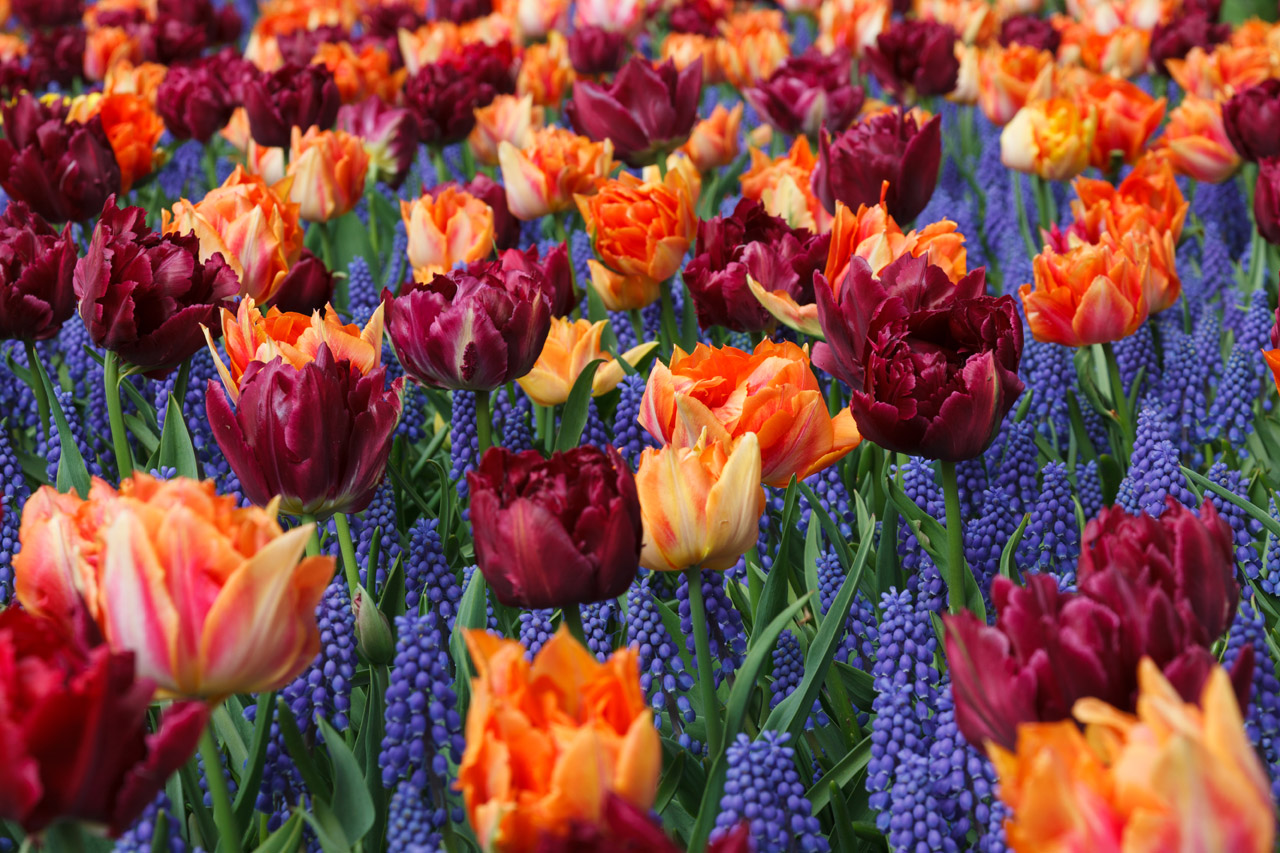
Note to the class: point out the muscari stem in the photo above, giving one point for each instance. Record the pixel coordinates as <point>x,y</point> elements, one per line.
<point>37,386</point>
<point>119,438</point>
<point>956,567</point>
<point>484,424</point>
<point>702,646</point>
<point>348,552</point>
<point>223,817</point>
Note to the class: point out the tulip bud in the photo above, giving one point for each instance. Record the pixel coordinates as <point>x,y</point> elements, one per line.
<point>374,638</point>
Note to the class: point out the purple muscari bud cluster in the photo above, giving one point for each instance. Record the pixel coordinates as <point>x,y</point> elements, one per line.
<point>963,780</point>
<point>1016,467</point>
<point>184,174</point>
<point>202,774</point>
<point>363,293</point>
<point>985,538</point>
<point>1180,392</point>
<point>724,624</point>
<point>141,837</point>
<point>858,646</point>
<point>764,787</point>
<point>213,463</point>
<point>906,685</point>
<point>1230,418</point>
<point>397,258</point>
<point>1049,373</point>
<point>1089,488</point>
<point>1262,721</point>
<point>415,820</point>
<point>414,410</point>
<point>361,211</point>
<point>1254,331</point>
<point>628,436</point>
<point>1270,576</point>
<point>379,521</point>
<point>517,427</point>
<point>16,398</point>
<point>1137,353</point>
<point>663,677</point>
<point>464,442</point>
<point>973,480</point>
<point>580,252</point>
<point>429,583</point>
<point>324,688</point>
<point>828,485</point>
<point>1051,542</point>
<point>1225,206</point>
<point>1155,470</point>
<point>13,496</point>
<point>1245,529</point>
<point>651,320</point>
<point>535,629</point>
<point>598,626</point>
<point>595,432</point>
<point>1207,337</point>
<point>423,728</point>
<point>620,323</point>
<point>920,484</point>
<point>788,671</point>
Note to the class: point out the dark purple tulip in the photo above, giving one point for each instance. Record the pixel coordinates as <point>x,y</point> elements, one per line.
<point>307,287</point>
<point>461,11</point>
<point>915,57</point>
<point>145,296</point>
<point>293,96</point>
<point>551,270</point>
<point>595,51</point>
<point>469,330</point>
<point>385,20</point>
<point>64,171</point>
<point>555,532</point>
<point>18,75</point>
<point>648,111</point>
<point>169,39</point>
<point>300,45</point>
<point>221,25</point>
<point>1251,118</point>
<point>194,101</point>
<point>318,436</point>
<point>390,136</point>
<point>806,93</point>
<point>1031,31</point>
<point>1266,201</point>
<point>57,56</point>
<point>36,265</point>
<point>752,243</point>
<point>445,94</point>
<point>932,366</point>
<point>1175,39</point>
<point>47,14</point>
<point>697,17</point>
<point>894,147</point>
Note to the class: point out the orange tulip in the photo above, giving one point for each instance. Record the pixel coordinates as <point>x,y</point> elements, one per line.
<point>1173,777</point>
<point>1149,192</point>
<point>1197,142</point>
<point>133,128</point>
<point>12,46</point>
<point>852,25</point>
<point>252,224</point>
<point>432,41</point>
<point>107,47</point>
<point>210,598</point>
<point>361,73</point>
<point>249,335</point>
<point>546,72</point>
<point>752,46</point>
<point>328,169</point>
<point>640,230</point>
<point>555,166</point>
<point>1011,76</point>
<point>1090,294</point>
<point>266,163</point>
<point>1219,74</point>
<point>701,505</point>
<point>1051,138</point>
<point>783,186</point>
<point>571,346</point>
<point>974,21</point>
<point>237,130</point>
<point>142,79</point>
<point>1127,116</point>
<point>549,741</point>
<point>725,393</point>
<point>686,48</point>
<point>506,119</point>
<point>451,228</point>
<point>536,19</point>
<point>714,141</point>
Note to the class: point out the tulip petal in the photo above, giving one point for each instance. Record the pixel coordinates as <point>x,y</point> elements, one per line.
<point>140,615</point>
<point>1104,314</point>
<point>734,505</point>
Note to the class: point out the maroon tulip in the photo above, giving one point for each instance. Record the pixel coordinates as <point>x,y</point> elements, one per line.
<point>56,56</point>
<point>169,39</point>
<point>596,51</point>
<point>1251,118</point>
<point>806,93</point>
<point>894,147</point>
<point>306,287</point>
<point>64,171</point>
<point>221,24</point>
<point>145,296</point>
<point>623,828</point>
<point>390,135</point>
<point>915,57</point>
<point>74,724</point>
<point>318,436</point>
<point>445,94</point>
<point>36,265</point>
<point>550,270</point>
<point>472,330</point>
<point>932,366</point>
<point>194,101</point>
<point>1031,31</point>
<point>461,11</point>
<point>385,20</point>
<point>300,45</point>
<point>647,111</point>
<point>1266,200</point>
<point>697,17</point>
<point>293,96</point>
<point>1211,8</point>
<point>752,243</point>
<point>47,14</point>
<point>555,532</point>
<point>1175,39</point>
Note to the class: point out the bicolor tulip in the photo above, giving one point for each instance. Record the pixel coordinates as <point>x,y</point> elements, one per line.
<point>1126,118</point>
<point>784,186</point>
<point>507,118</point>
<point>1050,137</point>
<point>1197,143</point>
<point>554,166</point>
<point>328,169</point>
<point>389,134</point>
<point>572,345</point>
<point>714,140</point>
<point>1010,77</point>
<point>446,229</point>
<point>1090,294</point>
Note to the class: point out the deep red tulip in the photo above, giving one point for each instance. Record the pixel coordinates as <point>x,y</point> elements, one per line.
<point>808,92</point>
<point>623,828</point>
<point>699,17</point>
<point>73,723</point>
<point>648,111</point>
<point>390,136</point>
<point>445,94</point>
<point>1211,8</point>
<point>1251,118</point>
<point>64,171</point>
<point>385,20</point>
<point>36,265</point>
<point>474,329</point>
<point>550,270</point>
<point>461,11</point>
<point>932,366</point>
<point>145,296</point>
<point>555,532</point>
<point>47,14</point>
<point>317,436</point>
<point>894,147</point>
<point>1176,38</point>
<point>293,96</point>
<point>1266,200</point>
<point>1032,31</point>
<point>56,56</point>
<point>306,287</point>
<point>195,101</point>
<point>221,24</point>
<point>596,51</point>
<point>169,39</point>
<point>915,57</point>
<point>751,242</point>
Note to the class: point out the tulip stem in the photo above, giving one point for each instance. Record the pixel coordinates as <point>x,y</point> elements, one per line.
<point>119,439</point>
<point>669,330</point>
<point>37,385</point>
<point>313,544</point>
<point>223,817</point>
<point>572,617</point>
<point>484,425</point>
<point>442,169</point>
<point>702,647</point>
<point>348,552</point>
<point>1021,204</point>
<point>956,567</point>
